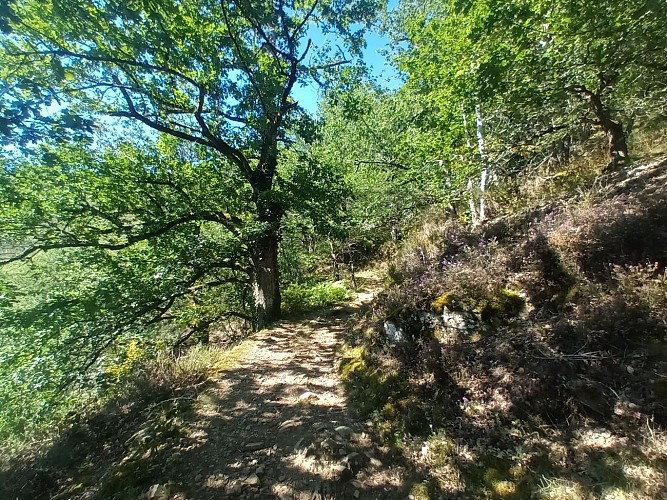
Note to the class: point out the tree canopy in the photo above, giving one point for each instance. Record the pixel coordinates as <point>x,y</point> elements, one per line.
<point>218,76</point>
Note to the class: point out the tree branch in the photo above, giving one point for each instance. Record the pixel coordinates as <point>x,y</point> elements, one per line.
<point>229,222</point>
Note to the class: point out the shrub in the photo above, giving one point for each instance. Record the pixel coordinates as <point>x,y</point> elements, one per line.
<point>300,298</point>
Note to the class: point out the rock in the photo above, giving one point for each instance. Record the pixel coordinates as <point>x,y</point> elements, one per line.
<point>307,396</point>
<point>342,472</point>
<point>394,335</point>
<point>252,480</point>
<point>356,484</point>
<point>456,322</point>
<point>158,492</point>
<point>233,488</point>
<point>328,444</point>
<point>310,451</point>
<point>199,477</point>
<point>521,370</point>
<point>356,461</point>
<point>319,427</point>
<point>631,370</point>
<point>289,424</point>
<point>254,446</point>
<point>356,494</point>
<point>344,432</point>
<point>260,470</point>
<point>375,462</point>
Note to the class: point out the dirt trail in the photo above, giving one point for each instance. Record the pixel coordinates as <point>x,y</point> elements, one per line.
<point>278,426</point>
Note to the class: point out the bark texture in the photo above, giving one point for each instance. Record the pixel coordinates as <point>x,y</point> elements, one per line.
<point>266,279</point>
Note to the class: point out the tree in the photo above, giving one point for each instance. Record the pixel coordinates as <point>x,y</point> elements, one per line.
<point>539,70</point>
<point>218,75</point>
<point>389,168</point>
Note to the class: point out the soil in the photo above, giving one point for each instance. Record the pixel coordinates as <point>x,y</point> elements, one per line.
<point>278,425</point>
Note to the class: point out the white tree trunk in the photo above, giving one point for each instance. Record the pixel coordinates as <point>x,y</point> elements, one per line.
<point>479,128</point>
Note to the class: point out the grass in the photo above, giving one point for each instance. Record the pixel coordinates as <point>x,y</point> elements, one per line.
<point>199,363</point>
<point>125,436</point>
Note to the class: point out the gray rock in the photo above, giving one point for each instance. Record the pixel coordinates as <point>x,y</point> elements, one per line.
<point>306,396</point>
<point>344,431</point>
<point>252,480</point>
<point>394,335</point>
<point>328,444</point>
<point>158,492</point>
<point>233,488</point>
<point>289,424</point>
<point>254,446</point>
<point>454,321</point>
<point>342,472</point>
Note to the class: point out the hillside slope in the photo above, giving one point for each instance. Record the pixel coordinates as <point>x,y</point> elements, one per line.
<point>528,358</point>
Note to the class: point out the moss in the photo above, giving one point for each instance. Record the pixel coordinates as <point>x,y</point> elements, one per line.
<point>370,385</point>
<point>497,478</point>
<point>420,491</point>
<point>441,449</point>
<point>503,305</point>
<point>446,300</point>
<point>389,411</point>
<point>504,489</point>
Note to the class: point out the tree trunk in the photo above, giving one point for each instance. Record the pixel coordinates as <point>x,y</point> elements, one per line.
<point>481,145</point>
<point>618,147</point>
<point>266,284</point>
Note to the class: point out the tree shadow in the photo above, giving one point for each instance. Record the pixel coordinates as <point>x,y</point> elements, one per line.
<point>264,429</point>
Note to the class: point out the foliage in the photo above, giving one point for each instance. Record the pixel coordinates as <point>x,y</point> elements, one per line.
<point>300,298</point>
<point>143,143</point>
<point>541,72</point>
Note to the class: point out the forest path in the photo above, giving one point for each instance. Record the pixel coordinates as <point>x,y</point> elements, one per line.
<point>277,425</point>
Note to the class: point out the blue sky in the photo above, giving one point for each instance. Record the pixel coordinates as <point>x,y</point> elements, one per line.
<point>308,95</point>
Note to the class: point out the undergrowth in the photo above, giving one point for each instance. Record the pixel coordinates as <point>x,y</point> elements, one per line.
<point>532,358</point>
<point>119,436</point>
<point>299,298</point>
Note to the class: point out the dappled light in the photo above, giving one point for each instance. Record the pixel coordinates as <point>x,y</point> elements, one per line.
<point>274,423</point>
<point>453,286</point>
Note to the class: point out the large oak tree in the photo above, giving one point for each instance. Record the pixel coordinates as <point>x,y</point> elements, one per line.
<point>216,74</point>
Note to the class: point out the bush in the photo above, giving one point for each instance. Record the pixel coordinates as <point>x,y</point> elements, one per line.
<point>300,298</point>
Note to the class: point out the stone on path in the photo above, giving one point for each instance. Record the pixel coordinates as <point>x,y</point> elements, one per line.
<point>252,480</point>
<point>306,396</point>
<point>255,446</point>
<point>344,431</point>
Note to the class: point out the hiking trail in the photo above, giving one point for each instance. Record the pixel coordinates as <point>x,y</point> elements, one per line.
<point>277,424</point>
